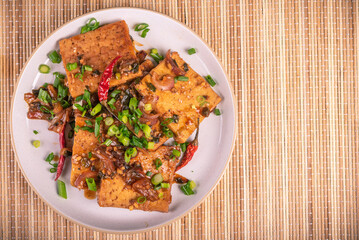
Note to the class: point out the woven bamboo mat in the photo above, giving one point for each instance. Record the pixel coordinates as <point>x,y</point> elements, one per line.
<point>294,68</point>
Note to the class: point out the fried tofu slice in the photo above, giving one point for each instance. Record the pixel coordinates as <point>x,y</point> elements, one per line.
<point>116,193</point>
<point>97,49</point>
<point>189,100</point>
<point>84,142</point>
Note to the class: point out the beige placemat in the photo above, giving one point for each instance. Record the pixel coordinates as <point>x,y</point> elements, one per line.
<point>294,68</point>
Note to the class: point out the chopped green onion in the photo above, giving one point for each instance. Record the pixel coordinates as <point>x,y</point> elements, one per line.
<point>130,152</point>
<point>46,110</point>
<point>150,145</point>
<point>160,195</point>
<point>157,179</point>
<point>191,51</point>
<point>58,77</point>
<point>79,107</point>
<point>187,190</point>
<point>44,96</point>
<point>124,119</point>
<point>146,130</point>
<point>176,153</point>
<point>109,121</point>
<point>181,78</point>
<point>54,57</point>
<point>158,187</point>
<point>50,157</point>
<point>79,76</point>
<point>144,32</point>
<point>141,200</point>
<point>210,80</point>
<point>125,141</point>
<point>148,107</point>
<point>191,184</point>
<point>61,189</point>
<point>133,104</point>
<point>138,112</point>
<point>62,91</point>
<point>79,98</point>
<point>165,185</point>
<point>154,54</point>
<point>148,173</point>
<point>87,97</point>
<point>167,121</point>
<point>43,68</point>
<point>114,93</point>
<point>158,163</point>
<point>53,170</point>
<point>71,66</point>
<point>77,128</point>
<point>183,146</point>
<point>90,155</point>
<point>90,26</point>
<point>97,126</point>
<point>168,133</point>
<point>96,109</point>
<point>111,102</point>
<point>88,123</point>
<point>107,142</point>
<point>36,143</point>
<point>151,87</point>
<point>217,112</point>
<point>35,132</point>
<point>113,130</point>
<point>85,128</point>
<point>88,68</point>
<point>141,26</point>
<point>200,99</point>
<point>91,184</point>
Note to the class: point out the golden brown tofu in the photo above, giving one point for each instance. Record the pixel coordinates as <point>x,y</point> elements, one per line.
<point>189,100</point>
<point>84,142</point>
<point>97,49</point>
<point>116,193</point>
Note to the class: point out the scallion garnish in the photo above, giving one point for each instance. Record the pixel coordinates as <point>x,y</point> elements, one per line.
<point>183,146</point>
<point>61,189</point>
<point>148,173</point>
<point>88,68</point>
<point>154,54</point>
<point>210,80</point>
<point>53,170</point>
<point>144,32</point>
<point>58,77</point>
<point>141,200</point>
<point>44,96</point>
<point>79,107</point>
<point>107,142</point>
<point>168,133</point>
<point>160,195</point>
<point>97,126</point>
<point>111,102</point>
<point>138,112</point>
<point>176,153</point>
<point>86,128</point>
<point>165,185</point>
<point>217,112</point>
<point>191,51</point>
<point>113,130</point>
<point>36,143</point>
<point>90,155</point>
<point>188,188</point>
<point>43,68</point>
<point>150,145</point>
<point>158,163</point>
<point>87,97</point>
<point>181,78</point>
<point>91,184</point>
<point>88,123</point>
<point>79,76</point>
<point>91,25</point>
<point>133,104</point>
<point>71,66</point>
<point>157,179</point>
<point>114,93</point>
<point>96,109</point>
<point>130,152</point>
<point>148,107</point>
<point>35,132</point>
<point>54,57</point>
<point>109,121</point>
<point>141,26</point>
<point>146,130</point>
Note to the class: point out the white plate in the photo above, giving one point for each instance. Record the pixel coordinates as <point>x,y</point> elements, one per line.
<point>216,137</point>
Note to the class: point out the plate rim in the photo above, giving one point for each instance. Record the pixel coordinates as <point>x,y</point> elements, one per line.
<point>177,217</point>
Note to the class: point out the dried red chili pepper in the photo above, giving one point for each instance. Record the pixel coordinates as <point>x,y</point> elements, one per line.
<point>104,85</point>
<point>190,151</point>
<point>61,163</point>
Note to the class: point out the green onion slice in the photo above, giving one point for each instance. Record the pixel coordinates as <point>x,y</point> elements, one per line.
<point>43,68</point>
<point>71,66</point>
<point>146,130</point>
<point>109,121</point>
<point>97,126</point>
<point>210,80</point>
<point>181,78</point>
<point>157,179</point>
<point>114,93</point>
<point>87,97</point>
<point>91,25</point>
<point>165,185</point>
<point>130,152</point>
<point>113,130</point>
<point>158,163</point>
<point>141,26</point>
<point>107,142</point>
<point>54,57</point>
<point>88,68</point>
<point>35,132</point>
<point>191,51</point>
<point>141,200</point>
<point>217,112</point>
<point>144,32</point>
<point>176,153</point>
<point>133,104</point>
<point>160,195</point>
<point>96,109</point>
<point>187,190</point>
<point>44,96</point>
<point>61,189</point>
<point>148,173</point>
<point>36,143</point>
<point>91,184</point>
<point>53,170</point>
<point>150,145</point>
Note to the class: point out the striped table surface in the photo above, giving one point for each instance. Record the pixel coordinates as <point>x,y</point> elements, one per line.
<point>294,68</point>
